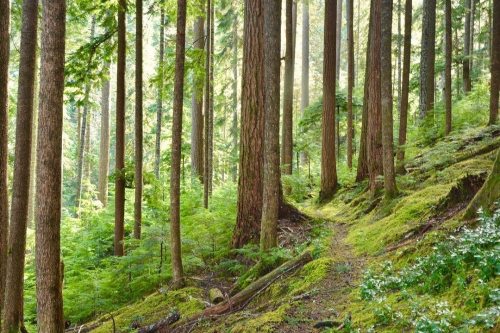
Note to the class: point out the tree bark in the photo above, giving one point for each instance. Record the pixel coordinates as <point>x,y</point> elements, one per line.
<point>175,229</point>
<point>249,213</point>
<point>49,157</point>
<point>350,78</point>
<point>374,135</point>
<point>4,120</point>
<point>304,99</point>
<point>405,88</point>
<point>467,37</point>
<point>22,164</point>
<point>338,40</point>
<point>104,142</point>
<point>120,133</point>
<point>399,60</point>
<point>495,64</point>
<point>208,68</point>
<point>447,74</point>
<point>197,105</point>
<point>362,169</point>
<point>234,127</point>
<point>386,101</point>
<point>427,58</point>
<point>138,178</point>
<point>211,114</point>
<point>287,135</point>
<point>271,183</point>
<point>328,159</point>
<point>159,97</point>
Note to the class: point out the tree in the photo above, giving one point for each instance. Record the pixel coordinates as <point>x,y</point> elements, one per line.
<point>405,88</point>
<point>208,96</point>
<point>386,100</point>
<point>49,158</point>
<point>304,90</point>
<point>234,95</point>
<point>13,307</point>
<point>287,139</point>
<point>467,46</point>
<point>197,105</point>
<point>271,195</point>
<point>362,169</point>
<point>159,97</point>
<point>4,108</point>
<point>175,171</point>
<point>104,142</point>
<point>249,212</point>
<point>138,178</point>
<point>374,135</point>
<point>495,64</point>
<point>448,59</point>
<point>338,39</point>
<point>120,133</point>
<point>328,160</point>
<point>427,58</point>
<point>350,78</point>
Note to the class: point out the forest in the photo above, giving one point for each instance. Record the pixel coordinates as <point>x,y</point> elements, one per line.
<point>249,166</point>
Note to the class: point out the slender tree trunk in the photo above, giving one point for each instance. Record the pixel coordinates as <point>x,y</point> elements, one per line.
<point>249,213</point>
<point>34,138</point>
<point>211,114</point>
<point>197,105</point>
<point>328,159</point>
<point>159,97</point>
<point>49,157</point>
<point>4,120</point>
<point>362,170</point>
<point>175,228</point>
<point>138,178</point>
<point>374,137</point>
<point>427,58</point>
<point>399,68</point>
<point>304,100</point>
<point>120,133</point>
<point>338,40</point>
<point>447,74</point>
<point>358,42</point>
<point>21,184</point>
<point>350,78</point>
<point>472,32</point>
<point>271,195</point>
<point>467,53</point>
<point>104,142</point>
<point>234,129</point>
<point>287,136</point>
<point>386,101</point>
<point>495,64</point>
<point>86,154</point>
<point>208,68</point>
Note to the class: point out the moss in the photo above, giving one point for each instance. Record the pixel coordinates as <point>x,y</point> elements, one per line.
<point>310,274</point>
<point>264,323</point>
<point>155,307</point>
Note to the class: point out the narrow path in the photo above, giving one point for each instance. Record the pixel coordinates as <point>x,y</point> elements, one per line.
<point>329,300</point>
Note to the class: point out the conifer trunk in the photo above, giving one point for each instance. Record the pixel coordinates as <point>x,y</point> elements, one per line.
<point>350,78</point>
<point>495,64</point>
<point>427,58</point>
<point>467,46</point>
<point>447,74</point>
<point>138,178</point>
<point>287,136</point>
<point>304,99</point>
<point>234,126</point>
<point>159,97</point>
<point>104,142</point>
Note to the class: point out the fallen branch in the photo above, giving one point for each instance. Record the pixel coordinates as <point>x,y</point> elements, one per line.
<point>169,320</point>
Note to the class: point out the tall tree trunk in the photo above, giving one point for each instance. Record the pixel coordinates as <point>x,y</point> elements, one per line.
<point>495,64</point>
<point>104,142</point>
<point>447,74</point>
<point>159,97</point>
<point>4,120</point>
<point>362,169</point>
<point>328,159</point>
<point>211,114</point>
<point>197,105</point>
<point>350,78</point>
<point>287,136</point>
<point>467,53</point>
<point>472,32</point>
<point>208,68</point>
<point>338,40</point>
<point>86,154</point>
<point>249,214</point>
<point>386,100</point>
<point>304,99</point>
<point>374,137</point>
<point>34,132</point>
<point>21,183</point>
<point>175,228</point>
<point>271,183</point>
<point>234,127</point>
<point>399,66</point>
<point>120,133</point>
<point>405,85</point>
<point>138,178</point>
<point>427,58</point>
<point>49,157</point>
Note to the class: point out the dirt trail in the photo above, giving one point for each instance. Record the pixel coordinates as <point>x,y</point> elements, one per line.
<point>328,301</point>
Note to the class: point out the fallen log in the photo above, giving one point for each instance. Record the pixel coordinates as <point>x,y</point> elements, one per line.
<point>215,295</point>
<point>167,321</point>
